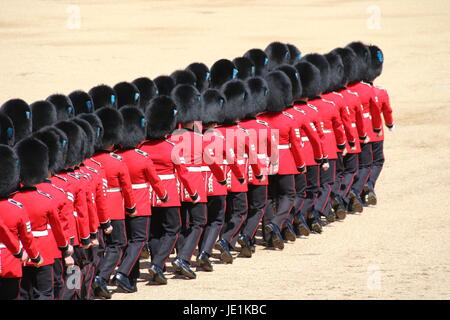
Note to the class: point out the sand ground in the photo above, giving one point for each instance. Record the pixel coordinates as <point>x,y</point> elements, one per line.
<point>398,250</point>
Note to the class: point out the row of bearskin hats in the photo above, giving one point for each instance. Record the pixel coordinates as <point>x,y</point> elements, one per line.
<point>61,131</point>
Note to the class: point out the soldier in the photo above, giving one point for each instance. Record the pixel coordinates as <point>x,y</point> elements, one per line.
<point>127,94</point>
<point>37,283</point>
<point>63,105</point>
<point>165,221</point>
<point>202,74</point>
<point>143,177</point>
<point>103,96</point>
<point>237,97</point>
<point>44,114</point>
<point>120,199</point>
<point>20,114</point>
<point>189,148</point>
<point>147,90</point>
<point>212,113</point>
<point>82,102</point>
<point>13,217</point>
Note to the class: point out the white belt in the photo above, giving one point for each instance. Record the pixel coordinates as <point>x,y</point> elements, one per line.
<point>75,214</point>
<point>49,227</point>
<point>241,162</point>
<point>2,246</point>
<point>261,156</point>
<point>353,125</point>
<point>38,234</point>
<point>326,131</point>
<point>284,146</point>
<point>114,190</point>
<point>205,168</point>
<point>225,162</point>
<point>139,186</point>
<point>366,115</point>
<point>305,139</point>
<point>166,176</point>
<point>195,169</point>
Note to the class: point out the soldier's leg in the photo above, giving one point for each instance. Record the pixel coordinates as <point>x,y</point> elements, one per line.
<point>43,283</point>
<point>216,213</point>
<point>237,208</point>
<point>9,288</point>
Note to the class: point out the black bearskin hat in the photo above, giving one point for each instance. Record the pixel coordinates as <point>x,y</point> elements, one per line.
<point>103,96</point>
<point>20,114</point>
<point>64,142</point>
<point>310,79</point>
<point>202,75</point>
<point>147,89</point>
<point>127,94</point>
<point>376,63</point>
<point>212,110</point>
<point>135,126</point>
<point>188,101</point>
<point>237,96</point>
<point>112,122</point>
<point>222,71</point>
<point>34,160</point>
<point>294,76</point>
<point>337,74</point>
<point>363,59</point>
<point>278,54</point>
<point>164,84</point>
<point>6,130</point>
<point>75,139</point>
<point>161,117</point>
<point>89,146</point>
<point>63,105</point>
<point>96,124</point>
<point>259,59</point>
<point>245,67</point>
<point>9,171</point>
<point>259,94</point>
<point>56,150</point>
<point>82,102</point>
<point>348,58</point>
<point>294,54</point>
<point>321,63</point>
<point>184,77</point>
<point>280,91</point>
<point>44,114</point>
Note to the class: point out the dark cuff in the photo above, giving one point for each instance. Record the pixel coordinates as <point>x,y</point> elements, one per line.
<point>72,241</point>
<point>241,180</point>
<point>223,182</point>
<point>105,225</point>
<point>36,260</point>
<point>376,130</point>
<point>325,160</point>
<point>20,254</point>
<point>131,210</point>
<point>94,235</point>
<point>390,126</point>
<point>86,241</point>
<point>65,251</point>
<point>301,169</point>
<point>318,160</point>
<point>363,138</point>
<point>194,197</point>
<point>351,144</point>
<point>259,177</point>
<point>166,197</point>
<point>341,146</point>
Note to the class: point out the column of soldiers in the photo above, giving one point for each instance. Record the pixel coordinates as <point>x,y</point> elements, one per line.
<point>92,182</point>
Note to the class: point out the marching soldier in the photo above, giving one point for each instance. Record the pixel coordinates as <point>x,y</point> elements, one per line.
<point>20,114</point>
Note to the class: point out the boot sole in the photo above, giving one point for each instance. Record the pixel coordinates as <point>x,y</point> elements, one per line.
<point>317,228</point>
<point>204,266</point>
<point>372,199</point>
<point>277,242</point>
<point>290,236</point>
<point>246,251</point>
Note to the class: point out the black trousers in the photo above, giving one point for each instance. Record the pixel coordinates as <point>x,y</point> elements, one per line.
<point>137,234</point>
<point>216,207</point>
<point>37,283</point>
<point>365,162</point>
<point>300,196</point>
<point>193,221</point>
<point>338,176</point>
<point>165,224</point>
<point>75,276</point>
<point>327,179</point>
<point>58,281</point>
<point>115,242</point>
<point>235,214</point>
<point>9,288</point>
<point>351,162</point>
<point>312,190</point>
<point>281,198</point>
<point>257,198</point>
<point>377,164</point>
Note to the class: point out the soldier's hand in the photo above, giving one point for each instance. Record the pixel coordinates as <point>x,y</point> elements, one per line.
<point>195,198</point>
<point>344,152</point>
<point>108,230</point>
<point>353,148</point>
<point>70,250</point>
<point>367,140</point>
<point>86,246</point>
<point>40,262</point>
<point>241,180</point>
<point>94,243</point>
<point>69,261</point>
<point>326,166</point>
<point>24,257</point>
<point>391,128</point>
<point>380,134</point>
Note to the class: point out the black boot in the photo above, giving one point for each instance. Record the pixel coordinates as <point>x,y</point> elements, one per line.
<point>277,239</point>
<point>124,283</point>
<point>100,288</point>
<point>203,261</point>
<point>246,249</point>
<point>157,274</point>
<point>225,253</point>
<point>288,232</point>
<point>182,266</point>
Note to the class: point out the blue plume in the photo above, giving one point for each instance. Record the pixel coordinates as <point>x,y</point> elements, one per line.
<point>27,114</point>
<point>235,72</point>
<point>136,96</point>
<point>10,132</point>
<point>113,99</point>
<point>143,122</point>
<point>89,105</point>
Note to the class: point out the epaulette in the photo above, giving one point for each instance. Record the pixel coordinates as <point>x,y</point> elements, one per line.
<point>61,177</point>
<point>115,156</point>
<point>339,94</point>
<point>262,122</point>
<point>73,175</point>
<point>172,143</point>
<point>92,169</point>
<point>300,110</point>
<point>218,134</point>
<point>44,194</point>
<point>96,162</point>
<point>60,189</point>
<point>328,101</point>
<point>288,115</point>
<point>313,107</point>
<point>16,203</point>
<point>367,84</point>
<point>243,129</point>
<point>353,93</point>
<point>142,153</point>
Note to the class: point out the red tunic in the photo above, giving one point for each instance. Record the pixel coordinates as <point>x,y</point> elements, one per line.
<point>143,178</point>
<point>312,144</point>
<point>101,185</point>
<point>15,217</point>
<point>384,108</point>
<point>331,126</point>
<point>43,212</point>
<point>160,152</point>
<point>354,110</point>
<point>289,141</point>
<point>119,195</point>
<point>8,240</point>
